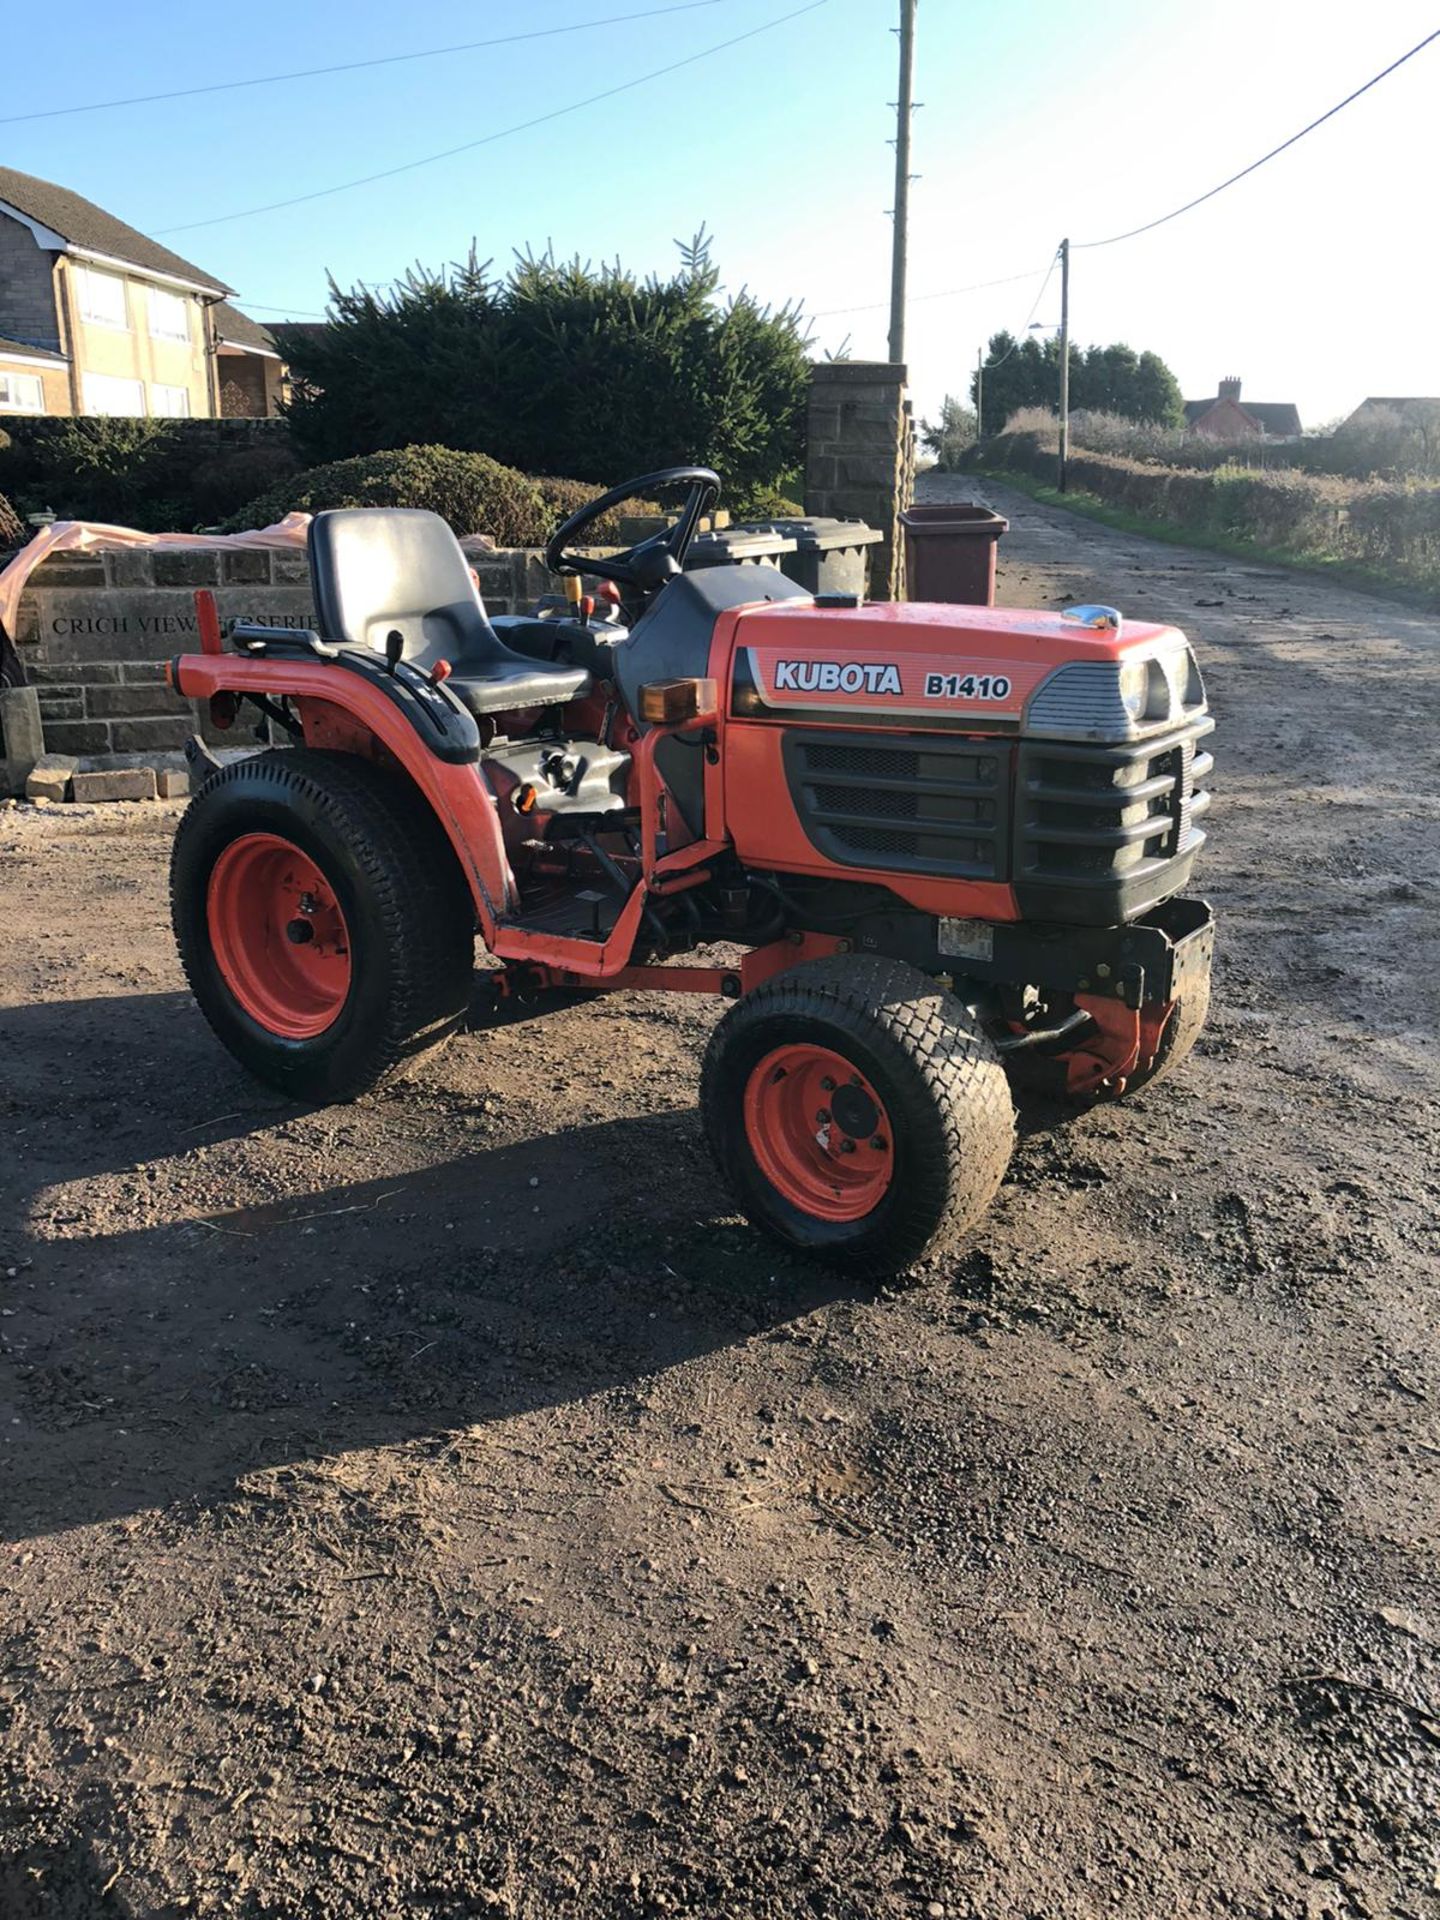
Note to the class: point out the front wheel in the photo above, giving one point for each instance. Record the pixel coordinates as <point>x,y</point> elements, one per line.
<point>859,1113</point>
<point>322,920</point>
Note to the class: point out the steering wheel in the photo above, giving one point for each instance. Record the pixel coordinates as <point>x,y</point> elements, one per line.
<point>650,563</point>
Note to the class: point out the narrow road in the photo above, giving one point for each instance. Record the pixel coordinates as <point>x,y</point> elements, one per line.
<point>445,1505</point>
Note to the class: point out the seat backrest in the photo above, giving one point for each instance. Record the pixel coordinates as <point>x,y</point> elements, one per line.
<point>374,569</point>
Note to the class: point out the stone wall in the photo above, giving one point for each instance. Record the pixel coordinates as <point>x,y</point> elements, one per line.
<point>95,630</point>
<point>860,456</point>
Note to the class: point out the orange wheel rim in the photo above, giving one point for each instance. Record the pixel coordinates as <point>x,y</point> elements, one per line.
<point>278,936</point>
<point>819,1132</point>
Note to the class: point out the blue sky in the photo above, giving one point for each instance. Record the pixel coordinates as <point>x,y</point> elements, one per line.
<point>1316,281</point>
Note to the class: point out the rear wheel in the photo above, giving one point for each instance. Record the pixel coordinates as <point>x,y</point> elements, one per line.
<point>322,921</point>
<point>858,1113</point>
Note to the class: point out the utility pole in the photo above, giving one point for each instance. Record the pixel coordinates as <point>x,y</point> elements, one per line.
<point>979,393</point>
<point>904,107</point>
<point>1064,359</point>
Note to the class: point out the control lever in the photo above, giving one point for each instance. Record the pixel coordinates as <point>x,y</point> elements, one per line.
<point>394,647</point>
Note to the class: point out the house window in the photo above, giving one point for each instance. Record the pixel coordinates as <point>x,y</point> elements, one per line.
<point>104,393</point>
<point>21,393</point>
<point>102,299</point>
<point>169,403</point>
<point>169,314</point>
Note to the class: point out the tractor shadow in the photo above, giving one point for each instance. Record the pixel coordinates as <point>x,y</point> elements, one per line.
<point>168,1327</point>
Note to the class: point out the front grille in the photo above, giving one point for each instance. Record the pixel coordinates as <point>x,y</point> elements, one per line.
<point>1111,820</point>
<point>836,756</point>
<point>917,805</point>
<point>883,803</point>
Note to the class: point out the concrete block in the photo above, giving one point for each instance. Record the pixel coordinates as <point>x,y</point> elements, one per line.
<point>21,732</point>
<point>185,567</point>
<point>172,784</point>
<point>149,698</point>
<point>125,783</point>
<point>78,736</point>
<point>246,567</point>
<point>150,736</point>
<point>129,568</point>
<point>70,570</point>
<point>850,373</point>
<point>50,778</point>
<point>140,672</point>
<point>60,703</point>
<point>64,674</point>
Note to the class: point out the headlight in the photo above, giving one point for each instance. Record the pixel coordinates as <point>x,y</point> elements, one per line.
<point>1134,687</point>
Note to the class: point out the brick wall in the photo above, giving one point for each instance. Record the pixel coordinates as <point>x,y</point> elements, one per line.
<point>27,289</point>
<point>860,456</point>
<point>95,630</point>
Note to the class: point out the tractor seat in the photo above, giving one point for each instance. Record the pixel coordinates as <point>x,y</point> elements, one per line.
<point>376,569</point>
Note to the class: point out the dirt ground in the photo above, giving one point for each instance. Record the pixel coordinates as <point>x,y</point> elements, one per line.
<point>447,1506</point>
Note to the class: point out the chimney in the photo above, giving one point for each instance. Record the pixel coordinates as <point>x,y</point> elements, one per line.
<point>1230,390</point>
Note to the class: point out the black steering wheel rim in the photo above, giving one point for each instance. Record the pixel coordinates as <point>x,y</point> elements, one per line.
<point>704,485</point>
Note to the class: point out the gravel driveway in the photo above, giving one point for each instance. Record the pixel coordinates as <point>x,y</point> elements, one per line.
<point>446,1506</point>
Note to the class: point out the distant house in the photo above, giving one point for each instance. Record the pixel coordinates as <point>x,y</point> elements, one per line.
<point>1225,418</point>
<point>97,319</point>
<point>1420,415</point>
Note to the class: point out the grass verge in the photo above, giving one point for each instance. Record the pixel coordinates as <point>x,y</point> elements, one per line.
<point>1092,507</point>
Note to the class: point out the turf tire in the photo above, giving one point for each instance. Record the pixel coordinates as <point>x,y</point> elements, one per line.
<point>937,1073</point>
<point>399,885</point>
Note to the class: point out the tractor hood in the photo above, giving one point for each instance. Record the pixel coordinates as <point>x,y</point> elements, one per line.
<point>978,669</point>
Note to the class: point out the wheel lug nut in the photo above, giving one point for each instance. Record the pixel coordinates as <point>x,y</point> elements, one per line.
<point>879,1143</point>
<point>827,1085</point>
<point>822,1118</point>
<point>847,1146</point>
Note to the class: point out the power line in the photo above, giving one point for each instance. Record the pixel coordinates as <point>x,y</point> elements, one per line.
<point>1200,199</point>
<point>354,66</point>
<point>990,365</point>
<point>524,126</point>
<point>948,293</point>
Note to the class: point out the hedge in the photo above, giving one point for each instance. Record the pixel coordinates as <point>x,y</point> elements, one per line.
<point>159,475</point>
<point>1390,527</point>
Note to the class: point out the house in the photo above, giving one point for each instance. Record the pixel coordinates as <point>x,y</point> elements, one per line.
<point>1413,413</point>
<point>252,374</point>
<point>1224,417</point>
<point>97,319</point>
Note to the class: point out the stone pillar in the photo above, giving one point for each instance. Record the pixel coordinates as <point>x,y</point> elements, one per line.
<point>859,456</point>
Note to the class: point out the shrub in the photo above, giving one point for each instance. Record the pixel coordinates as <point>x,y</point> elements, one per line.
<point>949,436</point>
<point>13,531</point>
<point>474,493</point>
<point>564,497</point>
<point>763,503</point>
<point>126,472</point>
<point>221,486</point>
<point>559,366</point>
<point>140,473</point>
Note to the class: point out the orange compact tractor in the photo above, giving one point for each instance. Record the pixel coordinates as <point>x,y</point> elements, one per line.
<point>924,850</point>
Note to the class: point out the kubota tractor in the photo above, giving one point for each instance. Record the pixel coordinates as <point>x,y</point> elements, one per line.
<point>933,848</point>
